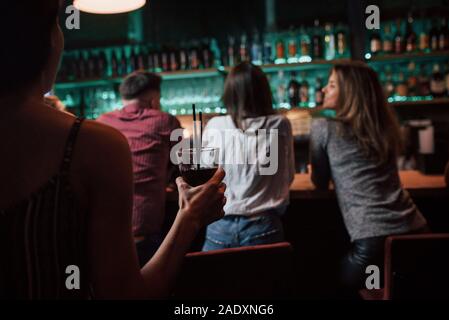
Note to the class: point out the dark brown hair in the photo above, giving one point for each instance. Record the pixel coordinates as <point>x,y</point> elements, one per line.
<point>25,33</point>
<point>139,82</point>
<point>247,93</point>
<point>362,107</point>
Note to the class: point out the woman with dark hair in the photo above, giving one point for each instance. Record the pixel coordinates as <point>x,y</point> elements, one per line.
<point>357,150</point>
<point>258,188</point>
<point>66,184</point>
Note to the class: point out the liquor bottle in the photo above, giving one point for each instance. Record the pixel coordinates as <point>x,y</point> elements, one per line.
<point>206,54</point>
<point>102,67</point>
<point>243,52</point>
<point>280,90</point>
<point>231,52</point>
<point>389,84</point>
<point>387,44</point>
<point>304,91</point>
<point>157,62</point>
<point>150,61</point>
<point>410,35</point>
<point>164,60</point>
<point>183,59</point>
<point>173,61</point>
<point>423,82</point>
<point>292,47</point>
<point>446,77</point>
<point>194,57</point>
<point>424,38</point>
<point>437,83</point>
<point>443,35</point>
<point>412,80</point>
<point>293,91</point>
<point>114,65</point>
<point>304,44</point>
<point>434,35</point>
<point>91,65</point>
<point>398,39</point>
<point>267,50</point>
<point>317,41</point>
<point>319,94</point>
<point>256,49</point>
<point>215,53</point>
<point>280,50</point>
<point>132,66</point>
<point>122,66</point>
<point>329,42</point>
<point>341,41</point>
<point>375,43</point>
<point>402,86</point>
<point>140,60</point>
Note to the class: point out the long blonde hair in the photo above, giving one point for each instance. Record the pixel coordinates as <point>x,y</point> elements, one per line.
<point>362,107</point>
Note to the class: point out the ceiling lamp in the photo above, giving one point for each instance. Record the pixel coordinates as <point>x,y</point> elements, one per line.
<point>108,6</point>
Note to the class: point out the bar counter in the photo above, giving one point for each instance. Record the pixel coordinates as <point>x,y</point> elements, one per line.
<point>416,183</point>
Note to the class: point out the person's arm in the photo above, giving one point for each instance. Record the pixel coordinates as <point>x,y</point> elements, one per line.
<point>319,160</point>
<point>113,265</point>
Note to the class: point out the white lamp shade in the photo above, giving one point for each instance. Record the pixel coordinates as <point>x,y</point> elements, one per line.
<point>108,6</point>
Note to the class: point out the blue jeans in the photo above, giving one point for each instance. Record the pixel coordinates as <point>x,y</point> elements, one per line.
<point>236,231</point>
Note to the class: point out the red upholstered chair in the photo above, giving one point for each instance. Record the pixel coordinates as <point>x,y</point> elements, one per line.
<point>416,267</point>
<point>262,271</point>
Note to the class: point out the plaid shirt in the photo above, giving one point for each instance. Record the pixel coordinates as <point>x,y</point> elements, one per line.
<point>148,133</point>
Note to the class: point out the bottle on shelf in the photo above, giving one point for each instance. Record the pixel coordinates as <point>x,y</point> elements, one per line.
<point>304,91</point>
<point>256,49</point>
<point>293,91</point>
<point>446,78</point>
<point>410,35</point>
<point>443,35</point>
<point>317,41</point>
<point>206,54</point>
<point>402,86</point>
<point>267,49</point>
<point>132,66</point>
<point>141,60</point>
<point>389,86</point>
<point>424,37</point>
<point>437,82</point>
<point>164,60</point>
<point>387,43</point>
<point>280,90</point>
<point>173,61</point>
<point>292,48</point>
<point>243,52</point>
<point>304,45</point>
<point>341,41</point>
<point>375,43</point>
<point>434,35</point>
<point>183,59</point>
<point>280,50</point>
<point>231,52</point>
<point>423,82</point>
<point>114,64</point>
<point>319,94</point>
<point>398,38</point>
<point>412,79</point>
<point>194,59</point>
<point>329,42</point>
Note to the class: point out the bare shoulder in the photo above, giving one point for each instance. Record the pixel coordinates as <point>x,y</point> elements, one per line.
<point>102,148</point>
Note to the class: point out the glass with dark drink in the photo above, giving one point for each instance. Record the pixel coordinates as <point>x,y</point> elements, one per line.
<point>198,165</point>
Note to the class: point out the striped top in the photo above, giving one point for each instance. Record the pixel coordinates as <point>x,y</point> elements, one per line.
<point>41,237</point>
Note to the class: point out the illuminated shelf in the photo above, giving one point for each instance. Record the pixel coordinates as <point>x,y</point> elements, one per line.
<point>405,57</point>
<point>424,101</point>
<point>202,73</point>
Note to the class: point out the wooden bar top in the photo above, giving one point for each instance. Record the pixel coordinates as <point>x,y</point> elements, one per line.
<point>416,183</point>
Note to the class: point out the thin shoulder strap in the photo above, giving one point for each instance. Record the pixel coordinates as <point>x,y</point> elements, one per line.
<point>70,144</point>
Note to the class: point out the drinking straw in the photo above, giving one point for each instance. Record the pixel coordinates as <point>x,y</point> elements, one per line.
<point>195,138</point>
<point>201,129</point>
